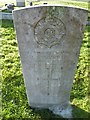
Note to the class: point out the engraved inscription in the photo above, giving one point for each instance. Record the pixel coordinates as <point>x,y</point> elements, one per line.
<point>49,31</point>
<point>46,65</point>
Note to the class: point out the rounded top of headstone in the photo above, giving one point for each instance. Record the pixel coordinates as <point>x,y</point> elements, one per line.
<point>51,5</point>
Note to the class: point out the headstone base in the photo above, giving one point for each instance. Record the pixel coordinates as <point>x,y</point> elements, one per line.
<point>63,110</point>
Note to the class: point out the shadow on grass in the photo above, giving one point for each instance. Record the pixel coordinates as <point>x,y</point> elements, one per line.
<point>46,114</point>
<point>80,113</point>
<point>77,113</point>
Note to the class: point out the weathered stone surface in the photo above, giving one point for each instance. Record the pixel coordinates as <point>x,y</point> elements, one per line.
<point>49,39</point>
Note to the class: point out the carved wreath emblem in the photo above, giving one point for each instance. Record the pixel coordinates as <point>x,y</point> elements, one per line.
<point>49,31</point>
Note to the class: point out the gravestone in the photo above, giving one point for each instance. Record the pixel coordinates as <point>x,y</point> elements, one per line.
<point>20,3</point>
<point>49,39</point>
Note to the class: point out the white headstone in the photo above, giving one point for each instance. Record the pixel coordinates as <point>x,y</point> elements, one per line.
<point>20,3</point>
<point>49,39</point>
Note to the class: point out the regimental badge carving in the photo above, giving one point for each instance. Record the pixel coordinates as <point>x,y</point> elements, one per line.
<point>49,31</point>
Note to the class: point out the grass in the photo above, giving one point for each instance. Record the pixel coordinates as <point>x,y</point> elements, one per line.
<point>67,2</point>
<point>3,2</point>
<point>14,100</point>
